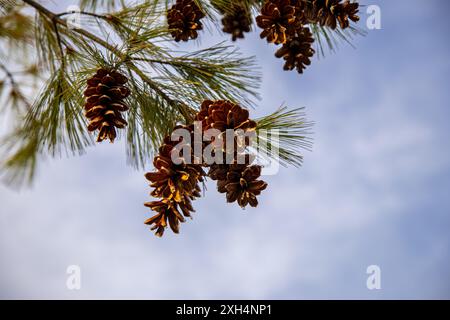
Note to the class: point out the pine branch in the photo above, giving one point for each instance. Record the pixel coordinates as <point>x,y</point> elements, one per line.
<point>16,94</point>
<point>282,134</point>
<point>167,85</point>
<point>168,88</point>
<point>183,109</point>
<point>326,37</point>
<point>91,14</point>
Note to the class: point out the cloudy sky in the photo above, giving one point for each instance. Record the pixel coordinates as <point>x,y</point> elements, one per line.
<point>374,191</point>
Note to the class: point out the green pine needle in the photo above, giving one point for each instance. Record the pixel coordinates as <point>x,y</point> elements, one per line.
<point>293,134</point>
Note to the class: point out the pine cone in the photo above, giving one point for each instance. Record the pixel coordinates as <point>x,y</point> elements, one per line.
<point>330,12</point>
<point>184,20</point>
<point>218,171</point>
<point>297,51</point>
<point>173,181</point>
<point>168,211</point>
<point>278,20</point>
<point>242,185</point>
<point>237,22</point>
<point>104,103</point>
<point>223,115</point>
<point>176,184</point>
<point>300,12</point>
<point>345,11</point>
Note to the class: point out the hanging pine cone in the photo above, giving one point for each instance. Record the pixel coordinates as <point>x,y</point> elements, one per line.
<point>173,181</point>
<point>168,214</point>
<point>104,103</point>
<point>330,12</point>
<point>237,21</point>
<point>300,12</point>
<point>310,11</point>
<point>184,20</point>
<point>176,184</point>
<point>278,20</point>
<point>218,171</point>
<point>297,51</point>
<point>345,11</point>
<point>242,184</point>
<point>223,115</point>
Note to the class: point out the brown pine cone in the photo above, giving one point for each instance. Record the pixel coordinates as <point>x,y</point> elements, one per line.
<point>104,103</point>
<point>345,11</point>
<point>173,181</point>
<point>176,184</point>
<point>184,20</point>
<point>278,20</point>
<point>237,22</point>
<point>223,115</point>
<point>218,171</point>
<point>310,10</point>
<point>300,12</point>
<point>167,214</point>
<point>297,51</point>
<point>330,12</point>
<point>242,184</point>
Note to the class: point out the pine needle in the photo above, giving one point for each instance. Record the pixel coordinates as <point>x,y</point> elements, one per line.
<point>291,131</point>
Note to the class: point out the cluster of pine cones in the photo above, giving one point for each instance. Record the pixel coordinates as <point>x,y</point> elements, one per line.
<point>183,19</point>
<point>283,23</point>
<point>178,184</point>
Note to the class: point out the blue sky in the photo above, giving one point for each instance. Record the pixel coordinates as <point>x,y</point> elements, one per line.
<point>374,191</point>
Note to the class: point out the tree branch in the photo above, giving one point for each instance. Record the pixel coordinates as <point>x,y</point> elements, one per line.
<point>14,85</point>
<point>95,15</point>
<point>183,109</point>
<point>8,73</point>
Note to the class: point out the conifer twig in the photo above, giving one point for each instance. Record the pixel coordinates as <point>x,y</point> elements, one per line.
<point>14,85</point>
<point>54,17</point>
<point>8,74</point>
<point>91,14</point>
